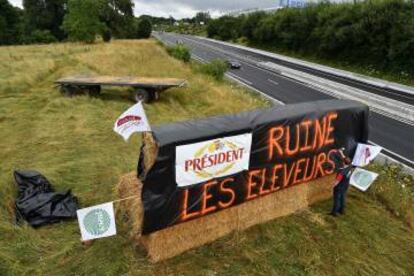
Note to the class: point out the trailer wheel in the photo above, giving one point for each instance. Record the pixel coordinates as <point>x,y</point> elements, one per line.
<point>67,90</point>
<point>94,91</point>
<point>141,94</point>
<point>156,95</point>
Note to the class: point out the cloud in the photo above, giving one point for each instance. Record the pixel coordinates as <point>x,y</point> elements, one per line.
<point>158,8</point>
<point>17,3</point>
<point>188,8</point>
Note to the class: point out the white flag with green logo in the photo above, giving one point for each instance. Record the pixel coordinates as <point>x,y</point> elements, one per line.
<point>97,221</point>
<point>362,179</point>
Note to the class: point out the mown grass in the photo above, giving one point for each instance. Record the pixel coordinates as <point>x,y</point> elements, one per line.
<point>70,140</point>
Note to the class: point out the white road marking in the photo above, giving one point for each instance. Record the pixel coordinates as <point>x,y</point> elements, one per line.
<point>240,78</point>
<point>254,89</point>
<point>396,154</point>
<point>392,116</point>
<point>198,58</point>
<point>272,81</point>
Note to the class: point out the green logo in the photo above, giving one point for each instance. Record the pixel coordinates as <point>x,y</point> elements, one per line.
<point>97,222</point>
<point>364,179</point>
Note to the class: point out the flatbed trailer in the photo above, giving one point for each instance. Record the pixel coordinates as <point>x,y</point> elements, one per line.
<point>144,89</point>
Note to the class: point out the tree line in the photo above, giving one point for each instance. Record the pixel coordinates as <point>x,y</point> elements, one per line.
<point>46,21</point>
<point>375,32</point>
<point>195,25</point>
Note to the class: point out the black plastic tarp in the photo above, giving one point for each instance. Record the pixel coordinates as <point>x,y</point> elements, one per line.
<point>38,203</point>
<point>166,204</point>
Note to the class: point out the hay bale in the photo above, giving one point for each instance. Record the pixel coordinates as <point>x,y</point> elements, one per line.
<point>150,150</point>
<point>129,186</point>
<point>131,210</point>
<point>179,238</point>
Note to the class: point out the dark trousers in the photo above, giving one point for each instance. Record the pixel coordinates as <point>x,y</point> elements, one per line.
<point>339,196</point>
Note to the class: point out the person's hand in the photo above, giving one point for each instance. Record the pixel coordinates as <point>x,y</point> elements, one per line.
<point>341,152</point>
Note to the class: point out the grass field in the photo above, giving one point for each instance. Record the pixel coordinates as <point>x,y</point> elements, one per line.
<point>70,140</point>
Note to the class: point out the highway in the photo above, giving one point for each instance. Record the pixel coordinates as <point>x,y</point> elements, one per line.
<point>396,137</point>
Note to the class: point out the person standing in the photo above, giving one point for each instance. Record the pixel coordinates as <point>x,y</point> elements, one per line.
<point>341,185</point>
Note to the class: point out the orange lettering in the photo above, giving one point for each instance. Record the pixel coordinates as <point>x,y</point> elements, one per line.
<point>321,159</point>
<point>306,124</point>
<point>227,190</point>
<point>287,142</point>
<point>251,184</point>
<point>320,133</point>
<point>306,175</point>
<point>286,176</point>
<point>298,170</point>
<point>275,177</point>
<point>330,129</point>
<point>331,162</point>
<point>206,196</point>
<point>184,214</point>
<point>274,141</point>
<point>261,190</point>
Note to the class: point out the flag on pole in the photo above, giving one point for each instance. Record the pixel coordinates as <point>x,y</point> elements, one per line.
<point>97,221</point>
<point>132,120</point>
<point>364,154</point>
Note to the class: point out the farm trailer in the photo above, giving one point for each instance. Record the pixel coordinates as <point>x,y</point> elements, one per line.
<point>144,89</point>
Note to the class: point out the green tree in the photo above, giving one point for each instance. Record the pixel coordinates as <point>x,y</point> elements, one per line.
<point>44,15</point>
<point>225,28</point>
<point>213,28</point>
<point>10,22</point>
<point>82,21</point>
<point>378,34</point>
<point>144,28</point>
<point>202,17</point>
<point>251,23</point>
<point>118,16</point>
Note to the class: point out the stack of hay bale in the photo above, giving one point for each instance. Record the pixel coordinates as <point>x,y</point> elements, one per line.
<point>179,238</point>
<point>157,167</point>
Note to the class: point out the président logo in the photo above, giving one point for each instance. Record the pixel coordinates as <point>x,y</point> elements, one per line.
<point>213,158</point>
<point>127,119</point>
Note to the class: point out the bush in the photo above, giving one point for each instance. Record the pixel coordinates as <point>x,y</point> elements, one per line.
<point>180,52</point>
<point>40,37</point>
<point>144,28</point>
<point>216,68</point>
<point>106,35</point>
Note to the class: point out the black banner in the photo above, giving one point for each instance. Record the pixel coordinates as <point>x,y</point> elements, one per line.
<point>291,144</point>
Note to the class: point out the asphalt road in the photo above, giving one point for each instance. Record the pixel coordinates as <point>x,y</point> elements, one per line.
<point>396,95</point>
<point>397,138</point>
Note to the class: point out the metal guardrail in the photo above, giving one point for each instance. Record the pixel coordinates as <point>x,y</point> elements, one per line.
<point>389,107</point>
<point>369,81</point>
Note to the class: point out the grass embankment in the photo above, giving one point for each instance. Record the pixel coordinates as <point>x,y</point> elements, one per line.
<point>70,140</point>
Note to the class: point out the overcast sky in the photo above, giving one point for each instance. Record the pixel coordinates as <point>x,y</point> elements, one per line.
<point>188,8</point>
